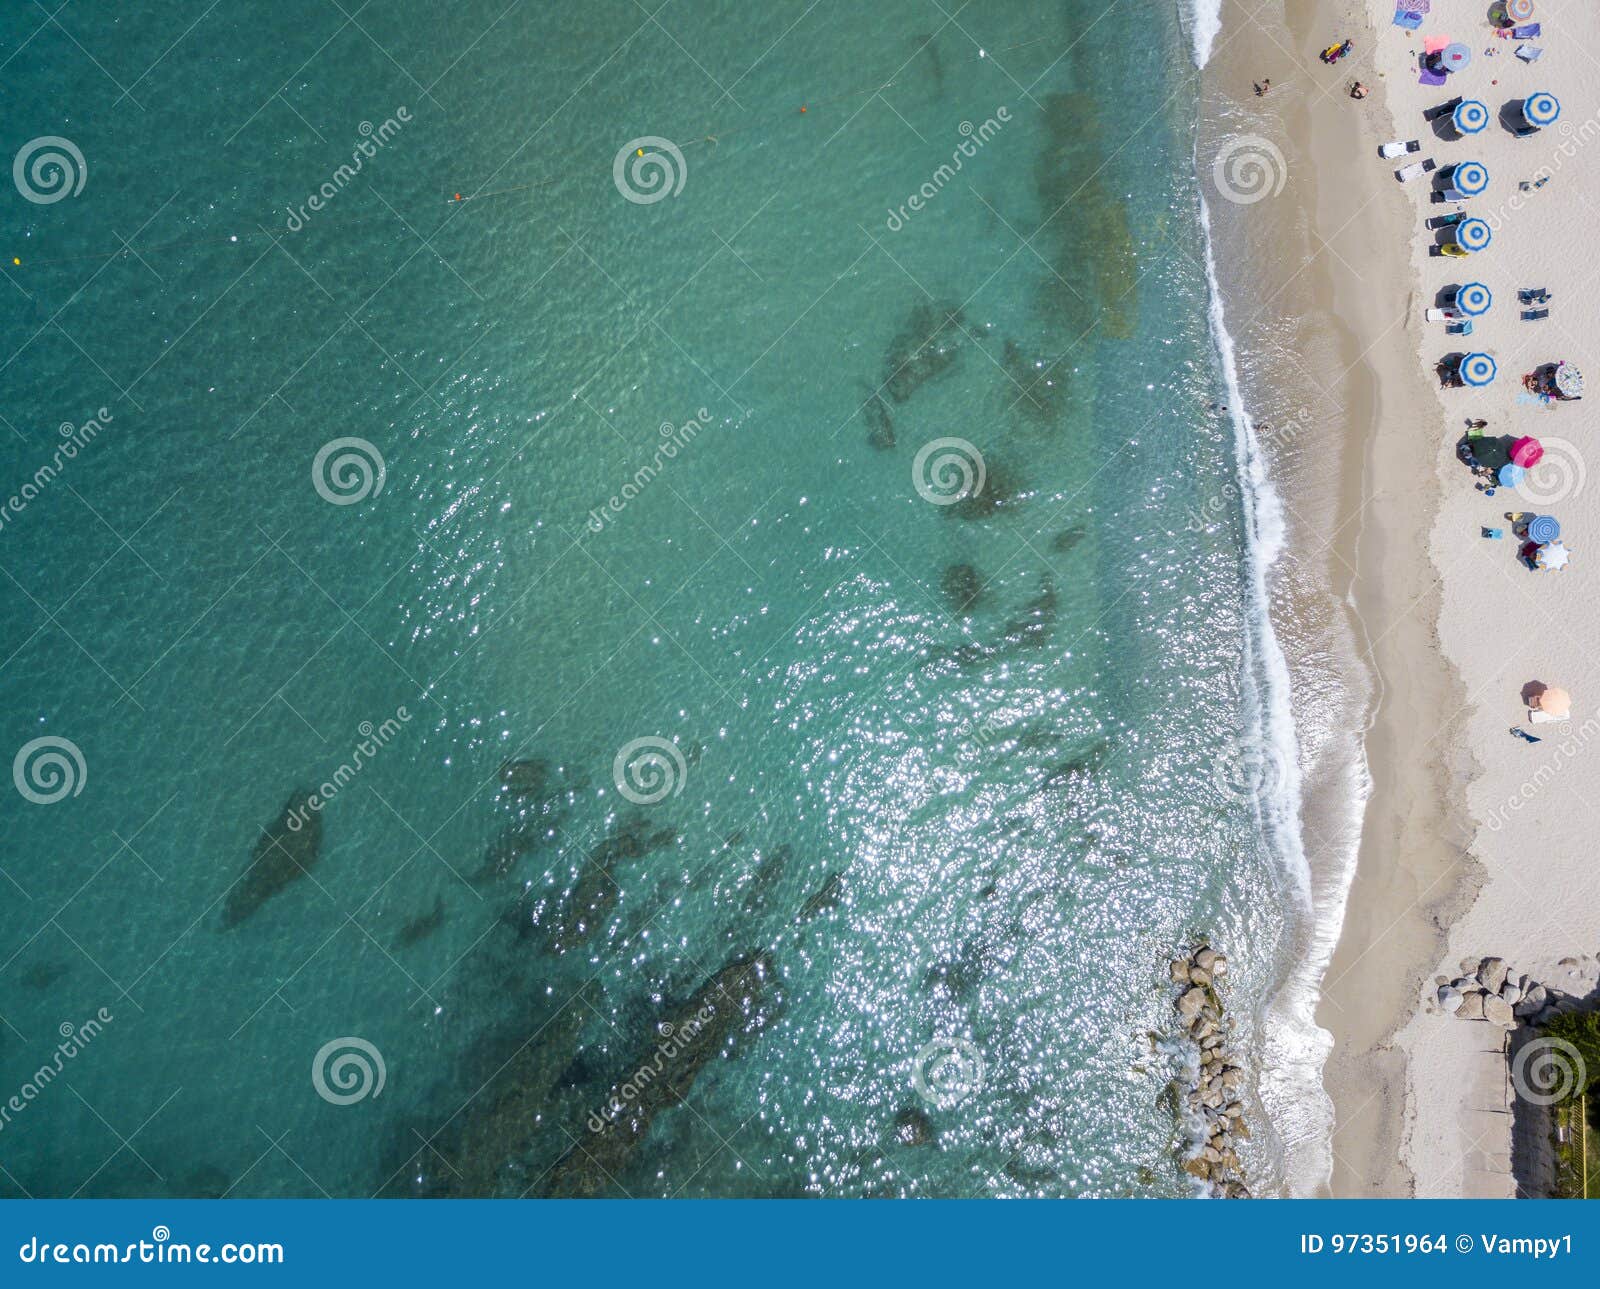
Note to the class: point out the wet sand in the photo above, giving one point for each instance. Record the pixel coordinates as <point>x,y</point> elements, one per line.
<point>1321,281</point>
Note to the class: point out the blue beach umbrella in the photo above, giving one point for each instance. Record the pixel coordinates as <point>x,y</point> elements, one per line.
<point>1542,529</point>
<point>1474,299</point>
<point>1478,369</point>
<point>1469,178</point>
<point>1473,235</point>
<point>1510,475</point>
<point>1470,116</point>
<point>1541,109</point>
<point>1454,57</point>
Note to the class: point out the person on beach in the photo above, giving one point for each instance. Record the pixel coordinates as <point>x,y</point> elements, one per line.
<point>1358,90</point>
<point>1262,87</point>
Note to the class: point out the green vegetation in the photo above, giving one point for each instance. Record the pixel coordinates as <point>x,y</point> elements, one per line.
<point>1578,1156</point>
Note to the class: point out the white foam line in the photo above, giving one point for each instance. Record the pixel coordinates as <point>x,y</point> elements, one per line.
<point>1203,18</point>
<point>1291,1081</point>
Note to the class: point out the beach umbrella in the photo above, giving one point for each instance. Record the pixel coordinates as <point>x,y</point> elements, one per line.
<point>1553,702</point>
<point>1541,109</point>
<point>1473,299</point>
<point>1510,475</point>
<point>1552,556</point>
<point>1519,10</point>
<point>1569,381</point>
<point>1454,57</point>
<point>1473,234</point>
<point>1469,178</point>
<point>1526,452</point>
<point>1470,116</point>
<point>1543,529</point>
<point>1477,369</point>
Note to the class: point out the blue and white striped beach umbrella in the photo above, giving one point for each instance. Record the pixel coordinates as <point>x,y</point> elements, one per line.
<point>1473,235</point>
<point>1470,116</point>
<point>1474,299</point>
<point>1541,109</point>
<point>1543,528</point>
<point>1478,369</point>
<point>1469,178</point>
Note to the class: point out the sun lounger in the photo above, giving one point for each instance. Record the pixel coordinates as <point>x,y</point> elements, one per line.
<point>1389,151</point>
<point>1494,534</point>
<point>1436,315</point>
<point>1525,131</point>
<point>1416,169</point>
<point>1533,295</point>
<point>1529,53</point>
<point>1461,328</point>
<point>1535,315</point>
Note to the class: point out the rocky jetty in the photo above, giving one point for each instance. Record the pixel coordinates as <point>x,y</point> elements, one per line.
<point>1209,1090</point>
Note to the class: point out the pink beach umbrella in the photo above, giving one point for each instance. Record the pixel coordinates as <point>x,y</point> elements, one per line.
<point>1526,451</point>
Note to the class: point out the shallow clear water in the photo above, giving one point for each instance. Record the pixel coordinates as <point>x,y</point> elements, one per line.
<point>1021,801</point>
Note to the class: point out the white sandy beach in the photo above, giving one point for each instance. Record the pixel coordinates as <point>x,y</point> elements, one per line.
<point>1533,808</point>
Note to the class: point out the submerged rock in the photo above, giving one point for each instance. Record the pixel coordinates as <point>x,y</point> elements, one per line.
<point>286,852</point>
<point>421,926</point>
<point>880,426</point>
<point>737,1002</point>
<point>913,1128</point>
<point>927,347</point>
<point>962,586</point>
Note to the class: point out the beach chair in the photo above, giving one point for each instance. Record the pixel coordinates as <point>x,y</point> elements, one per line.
<point>1436,315</point>
<point>1525,131</point>
<point>1389,151</point>
<point>1460,328</point>
<point>1535,315</point>
<point>1533,295</point>
<point>1416,169</point>
<point>1494,534</point>
<point>1529,53</point>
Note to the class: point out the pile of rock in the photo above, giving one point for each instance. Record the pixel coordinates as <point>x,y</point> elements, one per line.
<point>1215,1081</point>
<point>1490,991</point>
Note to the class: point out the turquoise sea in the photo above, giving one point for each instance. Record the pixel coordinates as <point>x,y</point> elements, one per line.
<point>947,783</point>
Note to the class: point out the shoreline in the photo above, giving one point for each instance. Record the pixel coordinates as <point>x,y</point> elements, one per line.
<point>1327,282</point>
